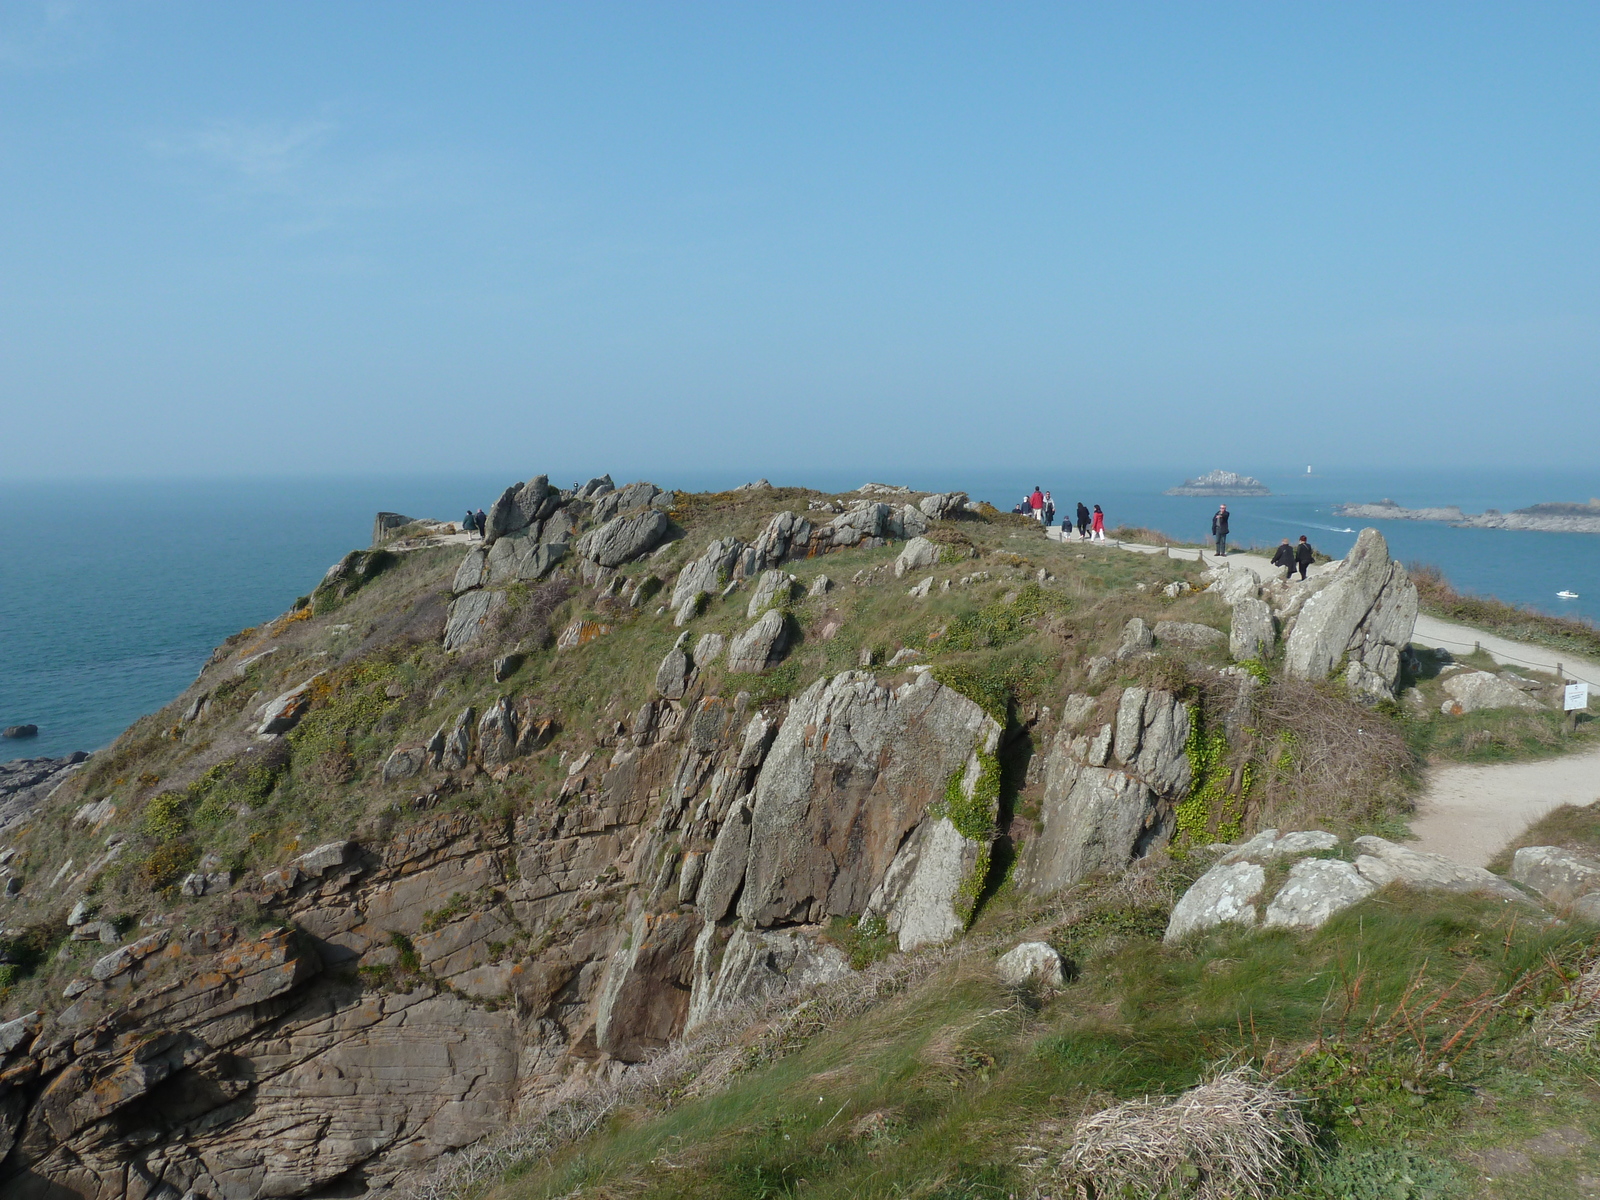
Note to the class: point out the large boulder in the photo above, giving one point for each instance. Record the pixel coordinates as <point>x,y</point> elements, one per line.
<point>1362,613</point>
<point>519,506</point>
<point>1315,890</point>
<point>283,713</point>
<point>623,539</point>
<point>762,645</point>
<point>1557,874</point>
<point>1137,639</point>
<point>1224,895</point>
<point>1469,691</point>
<point>943,505</point>
<point>918,552</point>
<point>1384,862</point>
<point>672,676</point>
<point>868,521</point>
<point>855,769</point>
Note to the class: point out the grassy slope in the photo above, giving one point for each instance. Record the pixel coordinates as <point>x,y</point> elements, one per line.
<point>965,1088</point>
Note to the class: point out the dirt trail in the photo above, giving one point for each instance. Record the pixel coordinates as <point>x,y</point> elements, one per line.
<point>1469,813</point>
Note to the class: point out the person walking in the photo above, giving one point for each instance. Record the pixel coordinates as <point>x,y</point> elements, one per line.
<point>482,523</point>
<point>1303,556</point>
<point>1283,557</point>
<point>1036,503</point>
<point>1219,530</point>
<point>469,524</point>
<point>1098,524</point>
<point>1083,521</point>
<point>1049,510</point>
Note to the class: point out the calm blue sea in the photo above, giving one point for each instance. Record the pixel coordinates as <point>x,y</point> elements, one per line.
<point>113,594</point>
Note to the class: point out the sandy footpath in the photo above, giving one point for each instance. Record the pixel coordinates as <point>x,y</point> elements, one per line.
<point>1468,813</point>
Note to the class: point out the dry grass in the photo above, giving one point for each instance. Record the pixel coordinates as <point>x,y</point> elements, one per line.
<point>1570,1023</point>
<point>1233,1136</point>
<point>1328,759</point>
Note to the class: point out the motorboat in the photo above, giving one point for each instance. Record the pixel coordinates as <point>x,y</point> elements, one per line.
<point>1565,595</point>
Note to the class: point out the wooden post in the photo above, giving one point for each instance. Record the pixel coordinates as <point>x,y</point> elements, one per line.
<point>1560,674</point>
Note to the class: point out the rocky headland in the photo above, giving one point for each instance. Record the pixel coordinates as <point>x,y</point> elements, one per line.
<point>1221,483</point>
<point>1547,518</point>
<point>478,828</point>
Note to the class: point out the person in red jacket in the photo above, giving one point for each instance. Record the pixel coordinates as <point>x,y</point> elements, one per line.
<point>1098,526</point>
<point>1036,503</point>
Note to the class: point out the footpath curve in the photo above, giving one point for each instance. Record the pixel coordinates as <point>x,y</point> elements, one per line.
<point>1468,813</point>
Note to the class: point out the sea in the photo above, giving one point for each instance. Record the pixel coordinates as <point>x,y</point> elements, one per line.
<point>112,594</point>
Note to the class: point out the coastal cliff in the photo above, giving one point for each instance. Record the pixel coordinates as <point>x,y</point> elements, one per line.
<point>472,828</point>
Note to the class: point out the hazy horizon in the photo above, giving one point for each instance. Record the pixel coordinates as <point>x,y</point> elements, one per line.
<point>308,240</point>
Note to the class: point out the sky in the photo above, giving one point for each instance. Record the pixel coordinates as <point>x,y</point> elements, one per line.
<point>248,239</point>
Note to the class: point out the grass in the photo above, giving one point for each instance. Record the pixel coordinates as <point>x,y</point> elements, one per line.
<point>1436,595</point>
<point>961,1085</point>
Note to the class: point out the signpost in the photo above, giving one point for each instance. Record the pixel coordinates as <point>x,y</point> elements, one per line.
<point>1576,697</point>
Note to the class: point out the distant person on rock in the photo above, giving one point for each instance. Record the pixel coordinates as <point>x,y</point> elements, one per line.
<point>1283,557</point>
<point>1098,524</point>
<point>1036,503</point>
<point>1303,555</point>
<point>1049,510</point>
<point>1083,521</point>
<point>1219,530</point>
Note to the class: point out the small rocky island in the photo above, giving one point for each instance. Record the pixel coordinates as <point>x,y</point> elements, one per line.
<point>1545,518</point>
<point>1221,483</point>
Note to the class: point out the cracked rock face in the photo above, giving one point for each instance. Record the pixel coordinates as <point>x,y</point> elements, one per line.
<point>1362,614</point>
<point>853,772</point>
<point>1109,794</point>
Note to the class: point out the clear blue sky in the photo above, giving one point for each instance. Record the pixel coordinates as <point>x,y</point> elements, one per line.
<point>262,238</point>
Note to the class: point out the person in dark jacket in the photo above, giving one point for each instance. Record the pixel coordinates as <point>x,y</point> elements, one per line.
<point>1219,530</point>
<point>1284,557</point>
<point>1083,521</point>
<point>469,524</point>
<point>1303,555</point>
<point>1049,510</point>
<point>483,523</point>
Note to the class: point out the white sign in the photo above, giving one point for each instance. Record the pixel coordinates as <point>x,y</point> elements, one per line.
<point>1577,696</point>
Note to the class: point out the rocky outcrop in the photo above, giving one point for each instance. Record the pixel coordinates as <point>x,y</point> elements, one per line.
<point>855,770</point>
<point>1252,631</point>
<point>786,536</point>
<point>283,713</point>
<point>629,498</point>
<point>773,588</point>
<point>26,782</point>
<point>1361,614</point>
<point>623,539</point>
<point>471,615</point>
<point>1559,875</point>
<point>941,506</point>
<point>519,506</point>
<point>918,552</point>
<point>762,645</point>
<point>1188,635</point>
<point>708,573</point>
<point>1109,793</point>
<point>1470,691</point>
<point>1316,888</point>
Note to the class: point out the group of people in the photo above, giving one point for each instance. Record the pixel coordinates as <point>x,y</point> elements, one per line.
<point>1041,506</point>
<point>474,522</point>
<point>1289,558</point>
